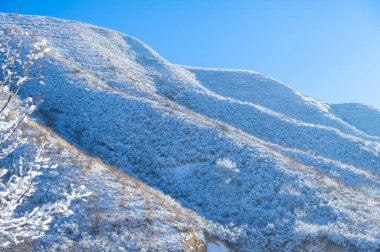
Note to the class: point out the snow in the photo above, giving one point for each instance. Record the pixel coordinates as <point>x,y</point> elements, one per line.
<point>217,247</point>
<point>18,176</point>
<point>121,214</point>
<point>227,164</point>
<point>363,117</point>
<point>261,166</point>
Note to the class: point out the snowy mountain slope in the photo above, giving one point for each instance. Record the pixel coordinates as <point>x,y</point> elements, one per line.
<point>275,163</point>
<point>363,117</point>
<point>162,80</point>
<point>122,213</point>
<point>248,86</point>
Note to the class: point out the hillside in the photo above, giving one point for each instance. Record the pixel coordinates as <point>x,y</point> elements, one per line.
<point>278,170</point>
<point>120,206</point>
<point>363,117</point>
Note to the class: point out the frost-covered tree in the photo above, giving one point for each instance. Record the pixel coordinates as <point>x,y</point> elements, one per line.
<point>19,54</point>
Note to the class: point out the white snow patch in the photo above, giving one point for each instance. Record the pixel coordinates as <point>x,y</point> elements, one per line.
<point>226,163</point>
<point>217,246</point>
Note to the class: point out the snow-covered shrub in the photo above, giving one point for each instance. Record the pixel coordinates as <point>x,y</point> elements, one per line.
<point>19,54</point>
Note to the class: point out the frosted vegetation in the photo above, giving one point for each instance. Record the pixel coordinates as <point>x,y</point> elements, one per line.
<point>19,54</point>
<point>363,117</point>
<point>267,167</point>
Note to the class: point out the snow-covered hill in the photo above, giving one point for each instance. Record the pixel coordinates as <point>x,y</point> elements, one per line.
<point>363,117</point>
<point>122,214</point>
<point>276,168</point>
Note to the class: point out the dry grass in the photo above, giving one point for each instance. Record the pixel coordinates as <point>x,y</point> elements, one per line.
<point>192,240</point>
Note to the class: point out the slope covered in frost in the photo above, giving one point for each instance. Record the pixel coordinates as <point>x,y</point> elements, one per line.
<point>122,213</point>
<point>279,170</point>
<point>363,117</point>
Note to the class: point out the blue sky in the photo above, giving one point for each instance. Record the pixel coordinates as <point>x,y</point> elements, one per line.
<point>329,49</point>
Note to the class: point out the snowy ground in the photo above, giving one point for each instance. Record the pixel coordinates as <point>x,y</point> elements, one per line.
<point>363,117</point>
<point>277,169</point>
<point>122,214</point>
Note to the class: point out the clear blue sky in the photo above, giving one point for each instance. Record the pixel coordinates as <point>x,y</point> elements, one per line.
<point>329,49</point>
